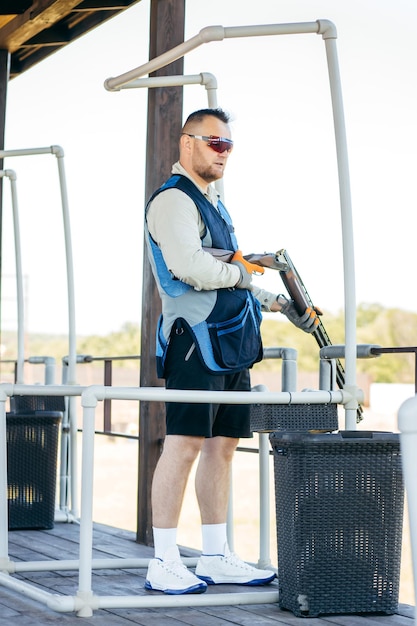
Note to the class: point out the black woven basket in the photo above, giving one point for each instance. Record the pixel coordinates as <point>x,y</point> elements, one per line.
<point>339,500</point>
<point>293,417</point>
<point>32,445</point>
<point>26,404</point>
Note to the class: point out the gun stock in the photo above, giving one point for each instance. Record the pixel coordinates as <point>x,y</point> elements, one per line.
<point>268,259</point>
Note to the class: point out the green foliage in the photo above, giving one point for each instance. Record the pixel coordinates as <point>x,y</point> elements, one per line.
<point>375,325</point>
<point>125,342</point>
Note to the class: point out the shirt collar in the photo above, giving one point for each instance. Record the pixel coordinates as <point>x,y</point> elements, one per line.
<point>211,194</point>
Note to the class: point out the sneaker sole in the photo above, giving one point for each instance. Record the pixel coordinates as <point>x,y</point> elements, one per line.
<point>199,588</point>
<point>250,583</point>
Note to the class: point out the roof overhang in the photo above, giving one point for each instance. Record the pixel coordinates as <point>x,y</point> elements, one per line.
<point>31,30</point>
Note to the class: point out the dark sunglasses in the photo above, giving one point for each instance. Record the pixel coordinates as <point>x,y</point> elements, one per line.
<point>218,144</point>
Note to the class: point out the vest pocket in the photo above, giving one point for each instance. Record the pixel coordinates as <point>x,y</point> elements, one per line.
<point>236,342</point>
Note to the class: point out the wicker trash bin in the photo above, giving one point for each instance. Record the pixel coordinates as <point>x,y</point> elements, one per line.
<point>339,501</point>
<point>293,417</point>
<point>32,446</point>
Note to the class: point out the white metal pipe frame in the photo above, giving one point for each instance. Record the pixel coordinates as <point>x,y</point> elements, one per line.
<point>69,460</point>
<point>58,152</point>
<point>85,601</point>
<point>328,32</point>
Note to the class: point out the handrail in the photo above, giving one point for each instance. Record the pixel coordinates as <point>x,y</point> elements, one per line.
<point>377,350</point>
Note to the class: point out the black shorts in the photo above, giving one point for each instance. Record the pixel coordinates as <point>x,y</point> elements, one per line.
<point>184,370</point>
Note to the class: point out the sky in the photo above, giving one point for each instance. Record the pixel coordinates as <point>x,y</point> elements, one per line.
<point>281,182</point>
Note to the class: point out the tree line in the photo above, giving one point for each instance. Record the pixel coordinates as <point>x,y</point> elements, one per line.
<point>375,325</point>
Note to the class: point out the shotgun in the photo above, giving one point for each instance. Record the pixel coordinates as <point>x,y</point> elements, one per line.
<point>281,262</point>
<point>268,259</point>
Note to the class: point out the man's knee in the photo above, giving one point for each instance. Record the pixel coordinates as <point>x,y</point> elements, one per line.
<point>220,448</point>
<point>183,447</point>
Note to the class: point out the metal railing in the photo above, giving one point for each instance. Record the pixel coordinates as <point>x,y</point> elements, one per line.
<point>85,602</point>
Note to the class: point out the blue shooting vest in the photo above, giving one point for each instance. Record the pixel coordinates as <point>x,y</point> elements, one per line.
<point>229,339</point>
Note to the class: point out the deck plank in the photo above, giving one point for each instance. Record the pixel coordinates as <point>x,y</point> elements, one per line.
<point>62,542</point>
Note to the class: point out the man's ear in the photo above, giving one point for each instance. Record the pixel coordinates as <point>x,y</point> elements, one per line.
<point>185,143</point>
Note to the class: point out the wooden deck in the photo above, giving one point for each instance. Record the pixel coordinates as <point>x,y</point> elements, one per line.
<point>61,543</point>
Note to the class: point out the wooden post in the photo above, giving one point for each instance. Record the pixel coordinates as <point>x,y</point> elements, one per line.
<point>164,127</point>
<point>4,79</point>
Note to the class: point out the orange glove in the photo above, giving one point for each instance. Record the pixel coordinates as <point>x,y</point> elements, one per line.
<point>246,270</point>
<point>308,321</point>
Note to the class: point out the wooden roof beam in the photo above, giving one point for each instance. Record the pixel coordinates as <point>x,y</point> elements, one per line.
<point>103,5</point>
<point>40,16</point>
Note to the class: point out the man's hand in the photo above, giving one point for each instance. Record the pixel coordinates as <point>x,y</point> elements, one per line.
<point>246,270</point>
<point>308,321</point>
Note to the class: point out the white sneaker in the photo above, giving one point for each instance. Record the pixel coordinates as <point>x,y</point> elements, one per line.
<point>171,576</point>
<point>218,569</point>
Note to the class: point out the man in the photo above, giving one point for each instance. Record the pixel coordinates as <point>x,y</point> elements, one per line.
<point>208,337</point>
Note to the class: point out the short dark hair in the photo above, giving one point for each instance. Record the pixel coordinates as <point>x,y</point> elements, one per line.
<point>198,116</point>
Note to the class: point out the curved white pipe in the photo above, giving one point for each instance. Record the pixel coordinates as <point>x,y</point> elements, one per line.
<point>58,152</point>
<point>11,175</point>
<point>207,34</point>
<point>49,362</point>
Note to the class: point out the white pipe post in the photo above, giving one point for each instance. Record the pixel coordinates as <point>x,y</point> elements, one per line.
<point>11,174</point>
<point>264,508</point>
<point>72,355</point>
<point>4,516</point>
<point>71,468</point>
<point>86,524</point>
<point>328,31</point>
<point>230,530</point>
<point>19,280</point>
<point>407,424</point>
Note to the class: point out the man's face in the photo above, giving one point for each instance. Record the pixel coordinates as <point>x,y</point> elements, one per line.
<point>204,162</point>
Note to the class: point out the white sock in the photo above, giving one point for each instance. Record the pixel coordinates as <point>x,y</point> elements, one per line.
<point>214,539</point>
<point>164,538</point>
